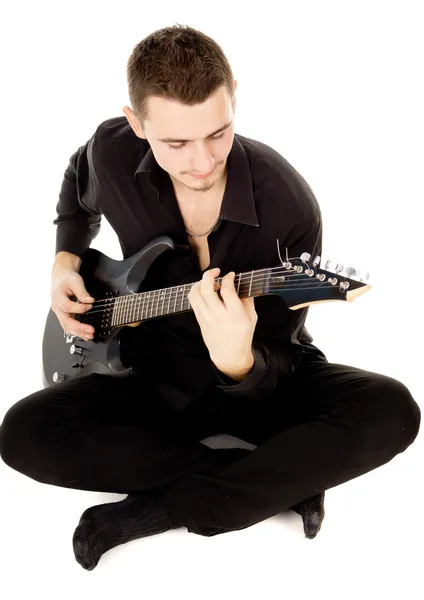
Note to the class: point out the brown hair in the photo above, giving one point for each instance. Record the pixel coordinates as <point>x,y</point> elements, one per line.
<point>177,63</point>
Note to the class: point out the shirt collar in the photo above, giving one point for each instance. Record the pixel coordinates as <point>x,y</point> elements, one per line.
<point>238,203</point>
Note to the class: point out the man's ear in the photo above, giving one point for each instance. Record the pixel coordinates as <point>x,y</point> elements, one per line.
<point>233,102</point>
<point>133,121</point>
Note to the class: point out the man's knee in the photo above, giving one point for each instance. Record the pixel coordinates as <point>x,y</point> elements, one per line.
<point>10,433</point>
<point>400,412</point>
<point>17,436</point>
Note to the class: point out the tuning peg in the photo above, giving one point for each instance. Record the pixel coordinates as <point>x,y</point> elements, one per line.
<point>305,256</point>
<point>316,261</point>
<point>337,269</point>
<point>350,271</point>
<point>363,276</point>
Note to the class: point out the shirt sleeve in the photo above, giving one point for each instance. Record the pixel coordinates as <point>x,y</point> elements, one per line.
<point>78,221</point>
<point>276,346</point>
<point>255,375</point>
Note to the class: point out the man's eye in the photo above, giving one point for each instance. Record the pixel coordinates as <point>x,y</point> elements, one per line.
<point>182,145</point>
<point>176,147</point>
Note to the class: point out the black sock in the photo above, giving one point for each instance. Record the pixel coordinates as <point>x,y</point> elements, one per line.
<point>312,512</point>
<point>104,526</point>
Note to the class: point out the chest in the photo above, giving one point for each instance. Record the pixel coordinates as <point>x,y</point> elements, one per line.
<point>200,247</point>
<point>200,220</point>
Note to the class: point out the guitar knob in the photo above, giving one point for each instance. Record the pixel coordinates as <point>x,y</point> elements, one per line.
<point>305,256</point>
<point>317,260</point>
<point>75,349</point>
<point>58,377</point>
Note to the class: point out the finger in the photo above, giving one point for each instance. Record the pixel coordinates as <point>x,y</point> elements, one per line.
<point>208,291</point>
<point>196,300</point>
<point>228,292</point>
<point>73,326</point>
<point>69,306</point>
<point>215,272</point>
<point>208,279</point>
<point>77,307</point>
<point>249,305</point>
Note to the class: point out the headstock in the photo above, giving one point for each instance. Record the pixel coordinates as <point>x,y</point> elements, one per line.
<point>301,282</point>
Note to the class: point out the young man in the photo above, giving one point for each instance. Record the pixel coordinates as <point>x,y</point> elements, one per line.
<point>174,166</point>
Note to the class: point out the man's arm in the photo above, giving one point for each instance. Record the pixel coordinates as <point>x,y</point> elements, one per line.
<point>275,357</point>
<point>65,260</point>
<point>77,223</point>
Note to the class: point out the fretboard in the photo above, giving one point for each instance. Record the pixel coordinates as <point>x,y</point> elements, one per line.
<point>173,300</point>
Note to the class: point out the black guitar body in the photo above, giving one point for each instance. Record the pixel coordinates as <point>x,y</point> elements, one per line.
<point>68,357</point>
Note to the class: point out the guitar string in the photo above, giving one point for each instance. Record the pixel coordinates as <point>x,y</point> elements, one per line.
<point>176,289</point>
<point>175,292</point>
<point>132,300</point>
<point>89,315</point>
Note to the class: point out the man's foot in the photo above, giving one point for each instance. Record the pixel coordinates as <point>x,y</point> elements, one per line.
<point>105,526</point>
<point>312,512</point>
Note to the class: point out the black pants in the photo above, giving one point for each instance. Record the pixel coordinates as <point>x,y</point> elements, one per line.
<point>327,424</point>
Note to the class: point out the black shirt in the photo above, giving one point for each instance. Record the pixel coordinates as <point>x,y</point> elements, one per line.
<point>116,175</point>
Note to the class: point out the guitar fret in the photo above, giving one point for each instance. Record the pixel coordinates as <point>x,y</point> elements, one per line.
<point>150,303</point>
<point>157,301</point>
<point>121,309</point>
<point>165,301</point>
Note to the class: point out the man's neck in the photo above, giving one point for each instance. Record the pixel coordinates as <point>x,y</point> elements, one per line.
<point>199,201</point>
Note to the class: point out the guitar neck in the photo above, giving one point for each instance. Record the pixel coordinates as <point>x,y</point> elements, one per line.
<point>295,281</point>
<point>173,300</point>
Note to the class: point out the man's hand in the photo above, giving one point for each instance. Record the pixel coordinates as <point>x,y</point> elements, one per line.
<point>227,325</point>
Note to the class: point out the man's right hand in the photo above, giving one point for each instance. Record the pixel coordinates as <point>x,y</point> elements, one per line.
<point>66,282</point>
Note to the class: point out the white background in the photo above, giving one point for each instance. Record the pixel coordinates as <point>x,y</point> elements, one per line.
<point>336,88</point>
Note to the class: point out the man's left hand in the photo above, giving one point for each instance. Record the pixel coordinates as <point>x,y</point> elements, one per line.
<point>227,325</point>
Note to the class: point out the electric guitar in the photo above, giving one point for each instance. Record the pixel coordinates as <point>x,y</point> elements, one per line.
<point>116,283</point>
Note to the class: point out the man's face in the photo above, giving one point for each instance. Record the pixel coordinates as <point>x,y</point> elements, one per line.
<point>202,152</point>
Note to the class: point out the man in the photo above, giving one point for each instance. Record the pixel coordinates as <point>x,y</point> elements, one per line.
<point>174,166</point>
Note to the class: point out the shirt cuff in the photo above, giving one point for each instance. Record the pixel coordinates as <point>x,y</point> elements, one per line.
<point>255,376</point>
